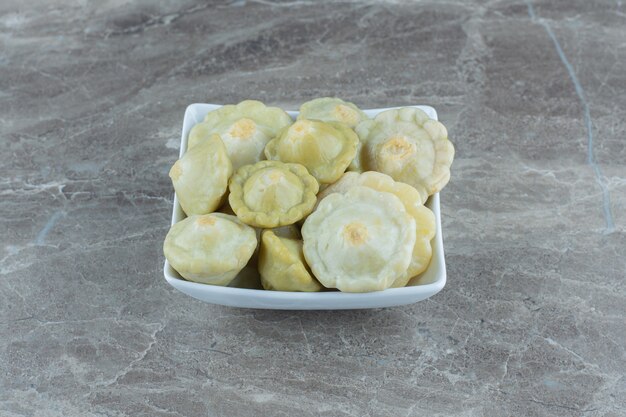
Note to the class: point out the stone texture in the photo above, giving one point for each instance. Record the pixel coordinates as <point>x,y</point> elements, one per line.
<point>531,322</point>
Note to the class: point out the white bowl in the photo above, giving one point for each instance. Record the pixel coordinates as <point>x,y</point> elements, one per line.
<point>426,285</point>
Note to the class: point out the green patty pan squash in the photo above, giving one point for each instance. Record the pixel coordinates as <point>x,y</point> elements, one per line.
<point>331,109</point>
<point>271,193</point>
<point>425,225</point>
<point>360,241</point>
<point>408,146</point>
<point>200,177</point>
<point>324,148</point>
<point>210,248</point>
<point>245,129</point>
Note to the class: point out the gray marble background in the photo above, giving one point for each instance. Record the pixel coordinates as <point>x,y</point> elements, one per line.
<point>531,323</point>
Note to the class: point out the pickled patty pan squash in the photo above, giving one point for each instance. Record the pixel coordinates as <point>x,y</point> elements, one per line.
<point>210,248</point>
<point>282,265</point>
<point>359,241</point>
<point>324,148</point>
<point>245,129</point>
<point>201,176</point>
<point>377,181</point>
<point>331,109</point>
<point>407,145</point>
<point>413,204</point>
<point>271,193</point>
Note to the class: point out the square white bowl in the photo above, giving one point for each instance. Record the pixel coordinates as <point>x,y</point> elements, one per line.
<point>429,283</point>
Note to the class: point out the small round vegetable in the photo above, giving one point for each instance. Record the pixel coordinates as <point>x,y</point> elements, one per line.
<point>282,265</point>
<point>271,194</point>
<point>245,129</point>
<point>413,204</point>
<point>408,146</point>
<point>359,241</point>
<point>210,248</point>
<point>324,148</point>
<point>331,109</point>
<point>201,176</point>
<point>378,181</point>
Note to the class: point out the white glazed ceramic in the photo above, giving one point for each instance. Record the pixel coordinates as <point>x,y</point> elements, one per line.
<point>426,285</point>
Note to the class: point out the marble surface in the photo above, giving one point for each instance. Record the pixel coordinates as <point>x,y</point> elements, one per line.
<point>531,322</point>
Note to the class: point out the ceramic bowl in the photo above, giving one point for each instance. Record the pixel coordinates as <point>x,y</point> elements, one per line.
<point>429,283</point>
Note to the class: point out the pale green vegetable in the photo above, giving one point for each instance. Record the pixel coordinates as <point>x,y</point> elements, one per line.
<point>331,109</point>
<point>407,145</point>
<point>413,204</point>
<point>282,265</point>
<point>200,177</point>
<point>245,129</point>
<point>210,248</point>
<point>272,194</point>
<point>377,181</point>
<point>359,241</point>
<point>324,148</point>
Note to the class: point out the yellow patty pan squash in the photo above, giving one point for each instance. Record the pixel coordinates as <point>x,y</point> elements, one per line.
<point>282,265</point>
